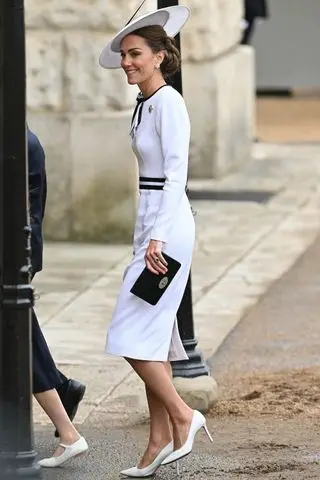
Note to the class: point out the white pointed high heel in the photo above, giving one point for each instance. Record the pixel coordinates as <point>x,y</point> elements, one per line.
<point>198,422</point>
<point>150,469</point>
<point>70,451</point>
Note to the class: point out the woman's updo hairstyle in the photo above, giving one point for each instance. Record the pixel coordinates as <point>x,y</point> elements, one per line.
<point>158,40</point>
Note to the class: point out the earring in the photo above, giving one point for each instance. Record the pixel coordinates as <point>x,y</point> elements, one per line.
<point>157,67</point>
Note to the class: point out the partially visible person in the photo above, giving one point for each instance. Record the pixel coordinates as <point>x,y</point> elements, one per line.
<point>57,395</point>
<point>253,10</point>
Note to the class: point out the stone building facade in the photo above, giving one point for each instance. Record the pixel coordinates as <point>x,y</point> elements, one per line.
<point>82,112</point>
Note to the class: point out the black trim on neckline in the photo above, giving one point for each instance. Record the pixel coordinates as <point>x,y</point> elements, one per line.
<point>140,102</point>
<point>144,99</point>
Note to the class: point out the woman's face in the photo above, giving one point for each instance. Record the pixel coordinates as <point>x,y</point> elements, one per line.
<point>138,60</point>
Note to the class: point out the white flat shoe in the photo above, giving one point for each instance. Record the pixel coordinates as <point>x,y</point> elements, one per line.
<point>198,422</point>
<point>70,451</point>
<point>150,469</point>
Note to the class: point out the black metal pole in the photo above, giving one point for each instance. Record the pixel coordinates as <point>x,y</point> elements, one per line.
<point>17,456</point>
<point>195,366</point>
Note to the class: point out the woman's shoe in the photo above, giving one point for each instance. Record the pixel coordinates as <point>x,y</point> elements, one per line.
<point>198,422</point>
<point>150,469</point>
<point>70,451</point>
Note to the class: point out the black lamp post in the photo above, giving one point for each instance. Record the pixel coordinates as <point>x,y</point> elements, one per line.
<point>17,456</point>
<point>195,366</point>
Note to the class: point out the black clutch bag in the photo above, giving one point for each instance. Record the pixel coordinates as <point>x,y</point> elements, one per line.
<point>150,287</point>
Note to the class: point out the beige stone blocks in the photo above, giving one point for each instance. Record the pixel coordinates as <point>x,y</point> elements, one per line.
<point>222,112</point>
<point>104,179</point>
<point>234,76</point>
<point>44,51</point>
<point>79,14</point>
<point>54,132</point>
<point>88,87</point>
<point>214,28</point>
<point>63,74</point>
<point>92,179</point>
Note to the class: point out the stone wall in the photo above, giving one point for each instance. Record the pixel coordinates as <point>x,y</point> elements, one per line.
<point>82,112</point>
<point>218,77</point>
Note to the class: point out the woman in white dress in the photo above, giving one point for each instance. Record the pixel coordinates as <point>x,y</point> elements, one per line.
<point>147,335</point>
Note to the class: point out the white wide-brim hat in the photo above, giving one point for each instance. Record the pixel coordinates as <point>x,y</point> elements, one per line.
<point>172,19</point>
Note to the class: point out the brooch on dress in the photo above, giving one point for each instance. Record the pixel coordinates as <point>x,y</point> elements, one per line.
<point>150,109</point>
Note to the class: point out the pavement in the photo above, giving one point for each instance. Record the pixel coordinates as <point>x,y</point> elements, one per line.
<point>242,248</point>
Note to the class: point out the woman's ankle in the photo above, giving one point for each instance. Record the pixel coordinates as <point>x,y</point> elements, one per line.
<point>182,417</point>
<point>160,441</point>
<point>68,438</point>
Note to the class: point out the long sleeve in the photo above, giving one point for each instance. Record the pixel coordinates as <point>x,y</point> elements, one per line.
<point>173,127</point>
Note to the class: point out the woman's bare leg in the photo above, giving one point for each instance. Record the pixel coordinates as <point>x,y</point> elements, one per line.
<point>51,404</point>
<point>160,426</point>
<point>156,377</point>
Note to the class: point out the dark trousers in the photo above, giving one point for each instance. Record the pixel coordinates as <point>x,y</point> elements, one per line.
<point>46,376</point>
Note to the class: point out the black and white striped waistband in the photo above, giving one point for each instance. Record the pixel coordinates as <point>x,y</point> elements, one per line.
<point>151,183</point>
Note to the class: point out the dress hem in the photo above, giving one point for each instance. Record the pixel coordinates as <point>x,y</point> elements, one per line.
<point>119,352</point>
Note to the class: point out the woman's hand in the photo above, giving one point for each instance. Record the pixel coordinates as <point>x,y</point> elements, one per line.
<point>154,258</point>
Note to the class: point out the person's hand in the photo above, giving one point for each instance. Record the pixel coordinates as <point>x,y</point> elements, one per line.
<point>154,258</point>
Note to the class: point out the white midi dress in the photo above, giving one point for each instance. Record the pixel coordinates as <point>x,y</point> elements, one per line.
<point>160,138</point>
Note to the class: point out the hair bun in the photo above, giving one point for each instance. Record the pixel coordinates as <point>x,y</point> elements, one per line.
<point>172,61</point>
